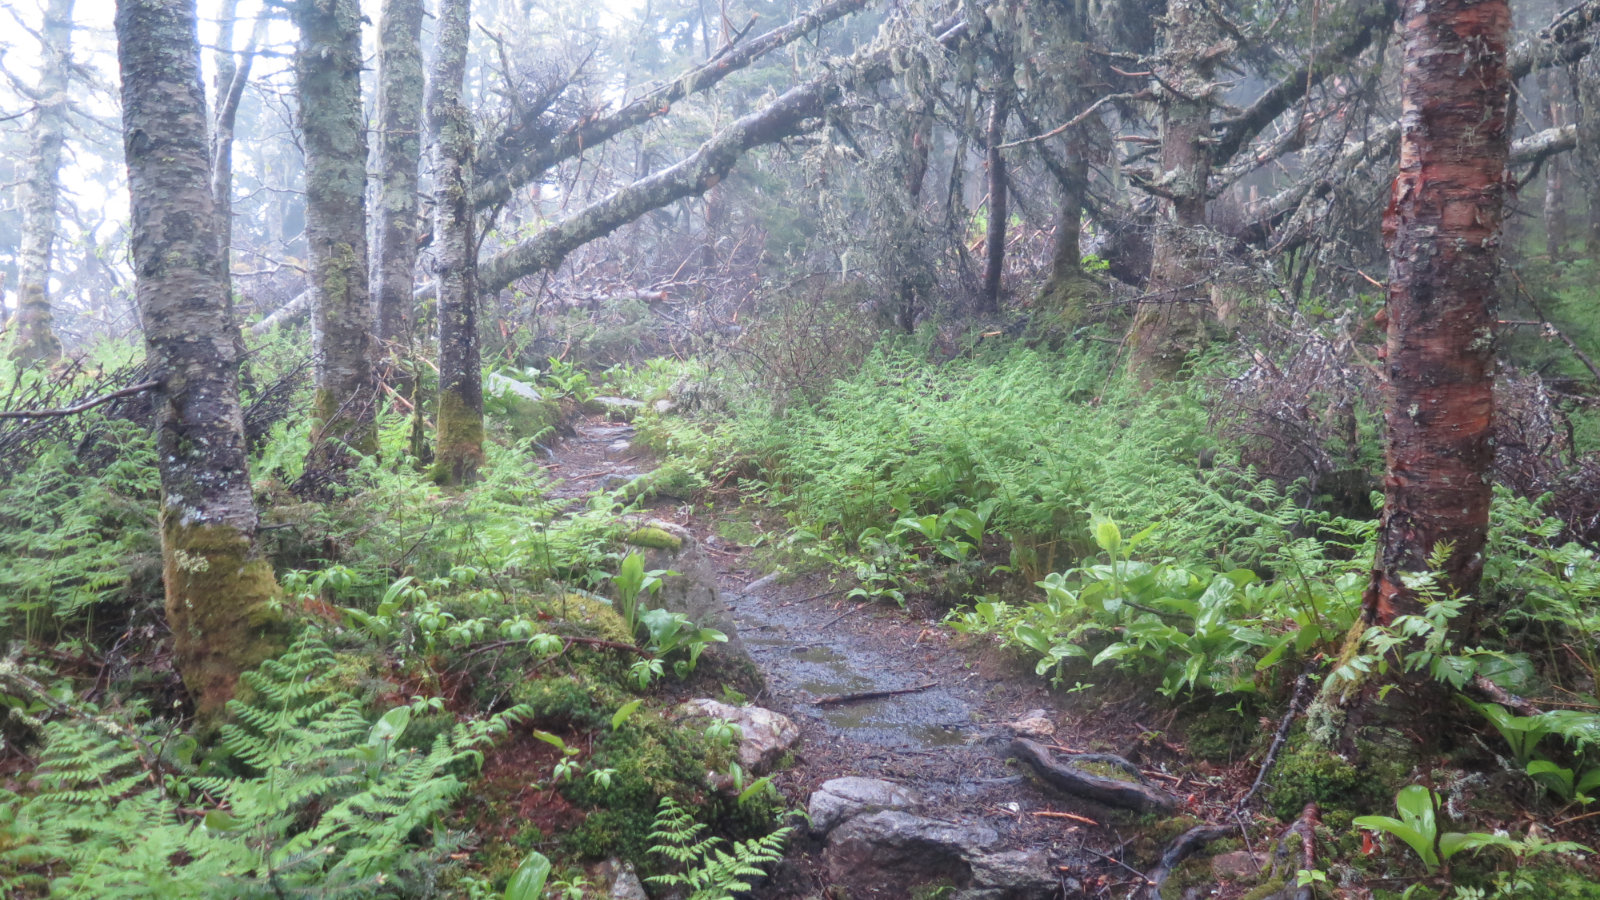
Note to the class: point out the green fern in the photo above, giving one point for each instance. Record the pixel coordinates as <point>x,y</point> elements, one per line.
<point>709,872</point>
<point>325,803</point>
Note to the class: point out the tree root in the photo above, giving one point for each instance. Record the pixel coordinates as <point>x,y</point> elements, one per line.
<point>1186,845</point>
<point>1064,776</point>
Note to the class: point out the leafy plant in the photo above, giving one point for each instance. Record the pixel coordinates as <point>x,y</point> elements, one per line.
<point>631,581</point>
<point>709,871</point>
<point>1418,827</point>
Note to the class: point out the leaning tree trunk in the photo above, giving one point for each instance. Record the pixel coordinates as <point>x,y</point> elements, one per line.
<point>33,337</point>
<point>995,239</point>
<point>219,588</point>
<point>459,449</point>
<point>1170,322</point>
<point>1555,201</point>
<point>333,132</point>
<point>394,250</point>
<point>1443,224</point>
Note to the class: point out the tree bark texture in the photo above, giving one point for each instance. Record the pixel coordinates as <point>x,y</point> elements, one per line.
<point>995,234</point>
<point>459,448</point>
<point>1443,226</point>
<point>394,251</point>
<point>218,586</point>
<point>1555,204</point>
<point>33,338</point>
<point>333,132</point>
<point>1170,321</point>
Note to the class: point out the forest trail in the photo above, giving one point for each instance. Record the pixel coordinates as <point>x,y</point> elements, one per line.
<point>941,728</point>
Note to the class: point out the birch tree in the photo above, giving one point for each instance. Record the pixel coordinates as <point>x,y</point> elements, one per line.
<point>394,248</point>
<point>33,338</point>
<point>333,131</point>
<point>459,448</point>
<point>218,586</point>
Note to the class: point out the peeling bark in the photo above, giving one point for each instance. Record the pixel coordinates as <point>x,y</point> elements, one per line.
<point>1443,226</point>
<point>394,249</point>
<point>327,68</point>
<point>219,588</point>
<point>33,338</point>
<point>459,449</point>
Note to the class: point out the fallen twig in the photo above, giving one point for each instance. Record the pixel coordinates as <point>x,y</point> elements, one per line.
<point>1302,688</point>
<point>832,699</point>
<point>85,406</point>
<point>857,608</point>
<point>1047,814</point>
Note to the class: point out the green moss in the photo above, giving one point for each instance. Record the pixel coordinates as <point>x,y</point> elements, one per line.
<point>1266,889</point>
<point>594,615</point>
<point>1307,773</point>
<point>221,608</point>
<point>652,758</point>
<point>1105,770</point>
<point>655,539</point>
<point>458,453</point>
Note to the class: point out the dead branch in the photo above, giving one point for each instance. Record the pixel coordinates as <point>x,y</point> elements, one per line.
<point>85,406</point>
<point>833,699</point>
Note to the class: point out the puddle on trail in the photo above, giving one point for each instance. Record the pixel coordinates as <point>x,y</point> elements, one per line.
<point>799,661</point>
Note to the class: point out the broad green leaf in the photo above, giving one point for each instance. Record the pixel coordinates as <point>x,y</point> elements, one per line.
<point>527,883</point>
<point>623,712</point>
<point>388,729</point>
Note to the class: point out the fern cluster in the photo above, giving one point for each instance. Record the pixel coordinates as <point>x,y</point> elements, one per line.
<point>709,871</point>
<point>306,797</point>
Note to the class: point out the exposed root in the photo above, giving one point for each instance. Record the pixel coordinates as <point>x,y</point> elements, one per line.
<point>1186,845</point>
<point>1065,776</point>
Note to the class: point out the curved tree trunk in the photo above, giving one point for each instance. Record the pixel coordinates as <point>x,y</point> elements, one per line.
<point>995,239</point>
<point>33,338</point>
<point>218,586</point>
<point>1443,224</point>
<point>333,132</point>
<point>1170,322</point>
<point>459,449</point>
<point>394,249</point>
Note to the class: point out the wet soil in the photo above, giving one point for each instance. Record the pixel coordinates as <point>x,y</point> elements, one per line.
<point>945,734</point>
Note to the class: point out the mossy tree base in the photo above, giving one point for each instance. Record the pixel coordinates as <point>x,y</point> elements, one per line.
<point>459,452</point>
<point>220,605</point>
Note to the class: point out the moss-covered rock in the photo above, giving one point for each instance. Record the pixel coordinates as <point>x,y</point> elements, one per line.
<point>655,538</point>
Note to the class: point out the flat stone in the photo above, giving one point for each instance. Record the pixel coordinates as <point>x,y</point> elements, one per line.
<point>498,385</point>
<point>664,406</point>
<point>1012,875</point>
<point>1240,865</point>
<point>894,850</point>
<point>1034,724</point>
<point>839,799</point>
<point>619,402</point>
<point>765,736</point>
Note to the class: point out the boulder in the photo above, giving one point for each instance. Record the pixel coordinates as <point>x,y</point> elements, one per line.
<point>839,799</point>
<point>1012,875</point>
<point>887,852</point>
<point>693,591</point>
<point>764,736</point>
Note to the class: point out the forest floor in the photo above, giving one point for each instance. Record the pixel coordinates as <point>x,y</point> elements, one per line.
<point>942,729</point>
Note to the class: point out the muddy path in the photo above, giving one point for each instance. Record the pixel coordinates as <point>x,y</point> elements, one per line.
<point>942,727</point>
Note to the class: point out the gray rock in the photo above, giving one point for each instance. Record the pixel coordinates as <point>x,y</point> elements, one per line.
<point>1011,875</point>
<point>664,406</point>
<point>627,885</point>
<point>498,385</point>
<point>839,799</point>
<point>613,480</point>
<point>893,850</point>
<point>765,736</point>
<point>762,582</point>
<point>1034,724</point>
<point>693,591</point>
<point>619,403</point>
